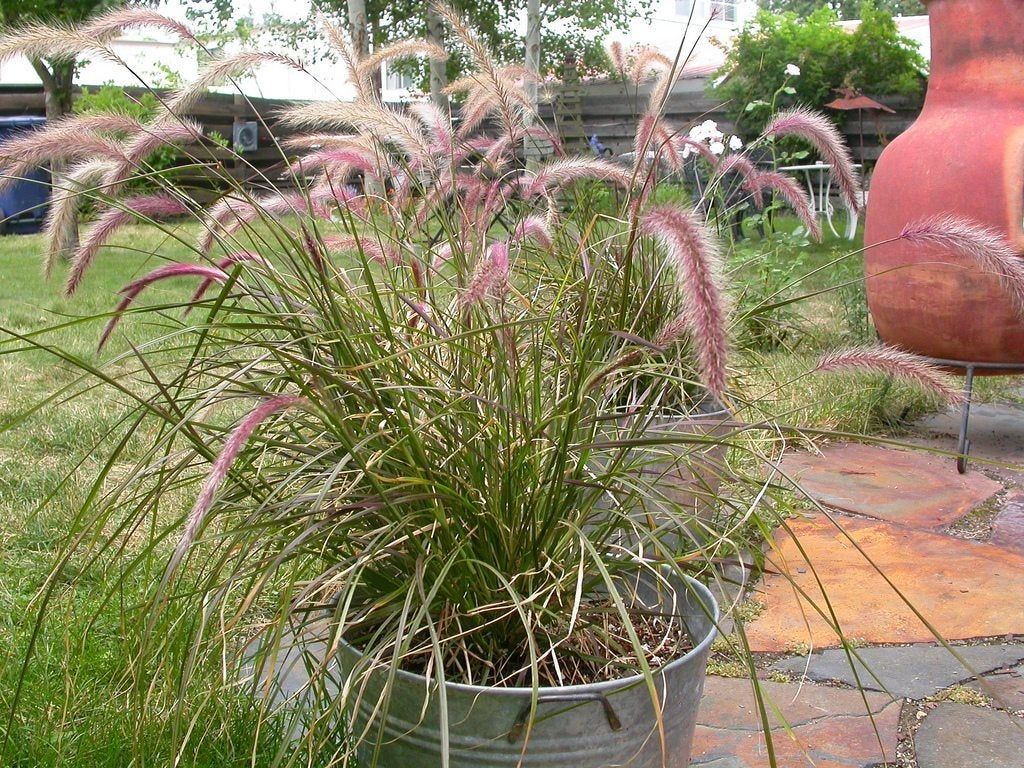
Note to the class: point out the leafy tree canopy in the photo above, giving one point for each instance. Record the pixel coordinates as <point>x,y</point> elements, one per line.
<point>875,59</point>
<point>572,31</point>
<point>845,9</point>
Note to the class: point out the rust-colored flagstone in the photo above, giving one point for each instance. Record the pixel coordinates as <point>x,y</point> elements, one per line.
<point>965,589</point>
<point>908,487</point>
<point>831,727</point>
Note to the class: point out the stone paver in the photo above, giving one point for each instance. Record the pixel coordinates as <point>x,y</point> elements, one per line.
<point>911,671</point>
<point>966,589</point>
<point>1006,688</point>
<point>831,727</point>
<point>907,487</point>
<point>958,736</point>
<point>1008,527</point>
<point>996,432</point>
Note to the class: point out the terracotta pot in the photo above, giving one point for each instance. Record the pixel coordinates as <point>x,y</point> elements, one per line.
<point>964,155</point>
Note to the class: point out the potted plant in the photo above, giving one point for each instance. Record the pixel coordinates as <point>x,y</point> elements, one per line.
<point>389,408</point>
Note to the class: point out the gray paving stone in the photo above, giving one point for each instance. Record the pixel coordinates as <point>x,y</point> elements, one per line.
<point>1008,527</point>
<point>914,672</point>
<point>959,736</point>
<point>996,432</point>
<point>1005,688</point>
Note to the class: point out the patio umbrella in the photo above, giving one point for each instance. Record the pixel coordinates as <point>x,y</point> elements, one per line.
<point>851,98</point>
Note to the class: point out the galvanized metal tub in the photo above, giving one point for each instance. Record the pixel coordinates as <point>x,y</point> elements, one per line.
<point>604,724</point>
<point>685,477</point>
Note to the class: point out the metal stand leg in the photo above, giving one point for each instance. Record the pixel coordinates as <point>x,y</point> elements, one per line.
<point>963,445</point>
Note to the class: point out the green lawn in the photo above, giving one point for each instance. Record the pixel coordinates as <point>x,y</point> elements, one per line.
<point>78,704</point>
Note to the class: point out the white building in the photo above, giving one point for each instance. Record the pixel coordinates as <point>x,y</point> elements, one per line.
<point>697,27</point>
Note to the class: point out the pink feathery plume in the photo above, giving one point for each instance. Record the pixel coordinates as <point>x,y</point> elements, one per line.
<point>221,467</point>
<point>559,173</point>
<point>420,313</point>
<point>437,121</point>
<point>644,138</point>
<point>618,58</point>
<point>891,361</point>
<point>667,148</point>
<point>131,291</point>
<point>648,59</point>
<point>224,265</point>
<point>817,130</point>
<point>695,256</point>
<point>326,194</point>
<point>442,256</point>
<point>368,246</point>
<point>169,132</point>
<point>228,215</point>
<point>23,154</point>
<point>339,161</point>
<point>490,279</point>
<point>114,23</point>
<point>218,70</point>
<point>216,216</point>
<point>495,199</point>
<point>535,227</point>
<point>150,207</point>
<point>738,163</point>
<point>795,196</point>
<point>986,246</point>
<point>477,107</point>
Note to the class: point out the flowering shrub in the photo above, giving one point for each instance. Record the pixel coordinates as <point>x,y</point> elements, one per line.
<point>811,57</point>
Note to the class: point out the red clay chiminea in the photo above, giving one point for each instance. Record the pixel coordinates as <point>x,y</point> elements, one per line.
<point>965,156</point>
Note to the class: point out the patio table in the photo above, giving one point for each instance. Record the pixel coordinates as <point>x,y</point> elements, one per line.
<point>818,177</point>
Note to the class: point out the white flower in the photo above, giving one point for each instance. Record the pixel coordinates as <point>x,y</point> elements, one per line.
<point>735,142</point>
<point>793,70</point>
<point>717,147</point>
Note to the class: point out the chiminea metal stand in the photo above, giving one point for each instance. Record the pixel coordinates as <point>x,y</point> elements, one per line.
<point>963,445</point>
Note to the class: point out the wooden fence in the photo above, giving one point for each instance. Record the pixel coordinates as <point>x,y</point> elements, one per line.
<point>608,109</point>
<point>575,110</point>
<point>214,112</point>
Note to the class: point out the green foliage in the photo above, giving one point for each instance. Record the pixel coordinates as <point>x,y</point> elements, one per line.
<point>875,59</point>
<point>845,9</point>
<point>572,31</point>
<point>113,99</point>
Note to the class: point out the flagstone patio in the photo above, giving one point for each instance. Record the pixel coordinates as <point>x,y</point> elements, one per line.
<point>905,549</point>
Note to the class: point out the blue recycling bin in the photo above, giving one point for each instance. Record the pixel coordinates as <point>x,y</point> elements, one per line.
<point>23,204</point>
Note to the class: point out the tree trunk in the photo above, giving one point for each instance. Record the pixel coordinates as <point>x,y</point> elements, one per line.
<point>357,27</point>
<point>438,69</point>
<point>534,20</point>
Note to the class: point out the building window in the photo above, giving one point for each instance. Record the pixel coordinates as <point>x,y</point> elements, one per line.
<point>724,9</point>
<point>397,81</point>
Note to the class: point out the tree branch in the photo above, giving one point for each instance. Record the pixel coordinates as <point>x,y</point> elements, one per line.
<point>49,81</point>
